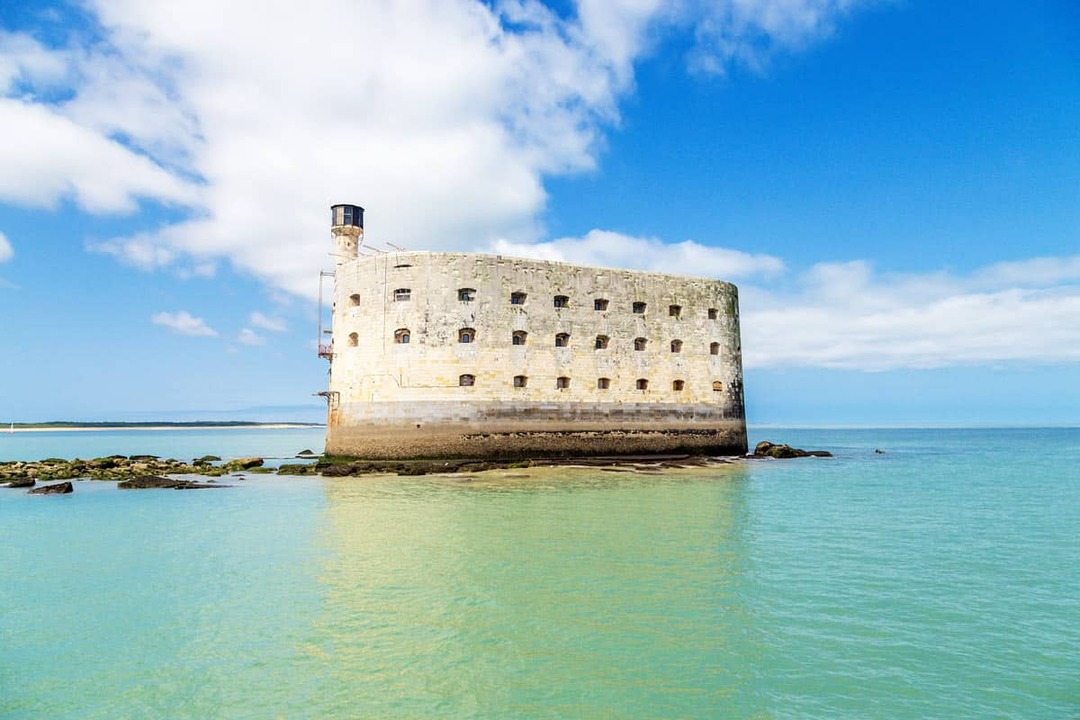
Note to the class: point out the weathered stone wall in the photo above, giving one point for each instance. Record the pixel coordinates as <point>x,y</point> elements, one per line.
<point>394,399</point>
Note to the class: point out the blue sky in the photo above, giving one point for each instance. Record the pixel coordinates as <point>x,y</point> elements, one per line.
<point>894,186</point>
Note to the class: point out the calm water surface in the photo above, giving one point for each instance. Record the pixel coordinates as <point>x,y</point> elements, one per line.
<point>938,580</point>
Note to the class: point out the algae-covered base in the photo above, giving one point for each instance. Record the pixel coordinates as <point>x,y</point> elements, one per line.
<point>339,466</point>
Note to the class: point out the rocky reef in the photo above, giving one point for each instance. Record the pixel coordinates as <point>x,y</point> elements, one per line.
<point>134,469</point>
<point>148,471</point>
<point>782,452</point>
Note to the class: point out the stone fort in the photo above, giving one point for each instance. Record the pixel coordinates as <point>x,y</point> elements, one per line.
<point>463,355</point>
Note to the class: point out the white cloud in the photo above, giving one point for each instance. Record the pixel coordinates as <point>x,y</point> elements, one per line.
<point>23,60</point>
<point>184,323</point>
<point>248,336</point>
<point>142,251</point>
<point>844,315</point>
<point>750,32</point>
<point>6,251</point>
<point>56,158</point>
<point>267,323</point>
<point>611,249</point>
<point>1036,271</point>
<point>444,117</point>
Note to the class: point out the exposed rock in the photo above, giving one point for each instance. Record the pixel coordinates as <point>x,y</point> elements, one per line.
<point>206,460</point>
<point>20,483</point>
<point>56,489</point>
<point>114,467</point>
<point>143,482</point>
<point>781,451</point>
<point>296,469</point>
<point>306,454</point>
<point>243,464</point>
<point>153,481</point>
<point>879,452</point>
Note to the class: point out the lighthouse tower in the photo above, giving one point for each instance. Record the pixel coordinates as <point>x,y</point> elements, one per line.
<point>347,227</point>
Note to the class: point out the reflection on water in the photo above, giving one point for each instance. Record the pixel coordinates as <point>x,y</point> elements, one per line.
<point>533,594</point>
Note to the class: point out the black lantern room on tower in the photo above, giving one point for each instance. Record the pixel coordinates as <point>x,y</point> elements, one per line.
<point>346,215</point>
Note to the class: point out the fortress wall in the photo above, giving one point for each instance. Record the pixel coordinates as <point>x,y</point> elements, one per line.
<point>382,390</point>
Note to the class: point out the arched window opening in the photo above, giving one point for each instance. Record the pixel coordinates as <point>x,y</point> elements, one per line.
<point>714,348</point>
<point>466,294</point>
<point>562,301</point>
<point>717,386</point>
<point>600,304</point>
<point>520,381</point>
<point>678,385</point>
<point>466,335</point>
<point>466,380</point>
<point>640,343</point>
<point>562,340</point>
<point>354,339</point>
<point>519,337</point>
<point>676,346</point>
<point>562,383</point>
<point>517,298</point>
<point>602,342</point>
<point>402,295</point>
<point>712,313</point>
<point>402,336</point>
<point>354,299</point>
<point>642,384</point>
<point>639,308</point>
<point>674,310</point>
<point>603,383</point>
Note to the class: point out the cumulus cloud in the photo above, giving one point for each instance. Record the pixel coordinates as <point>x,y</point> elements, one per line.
<point>56,158</point>
<point>750,32</point>
<point>443,116</point>
<point>847,316</point>
<point>248,336</point>
<point>141,251</point>
<point>184,323</point>
<point>6,251</point>
<point>267,323</point>
<point>25,61</point>
<point>611,249</point>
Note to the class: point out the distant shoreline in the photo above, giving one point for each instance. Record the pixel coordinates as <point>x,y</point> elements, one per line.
<point>102,427</point>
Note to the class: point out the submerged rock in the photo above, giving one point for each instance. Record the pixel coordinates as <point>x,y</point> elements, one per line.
<point>57,489</point>
<point>783,452</point>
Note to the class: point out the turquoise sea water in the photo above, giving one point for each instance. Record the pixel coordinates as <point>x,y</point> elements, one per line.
<point>938,580</point>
